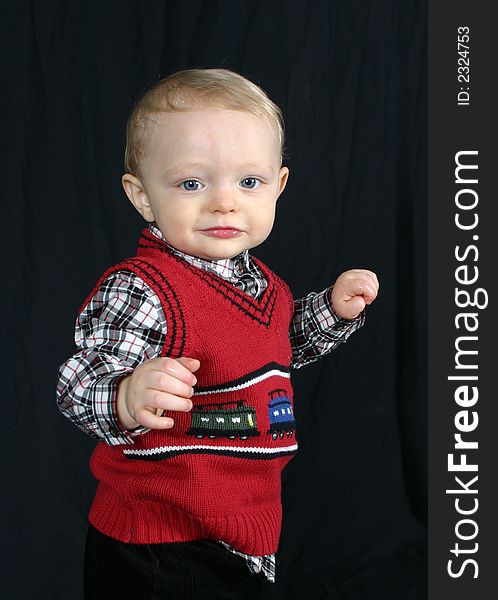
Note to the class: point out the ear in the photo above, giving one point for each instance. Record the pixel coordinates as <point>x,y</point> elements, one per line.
<point>282,179</point>
<point>138,196</point>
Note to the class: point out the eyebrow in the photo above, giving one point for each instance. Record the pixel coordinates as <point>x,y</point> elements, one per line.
<point>176,169</point>
<point>182,167</point>
<point>257,167</point>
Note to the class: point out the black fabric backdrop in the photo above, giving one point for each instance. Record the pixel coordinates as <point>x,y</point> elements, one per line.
<point>351,78</point>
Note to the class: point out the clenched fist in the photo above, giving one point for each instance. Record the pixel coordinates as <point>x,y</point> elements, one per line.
<point>156,385</point>
<point>353,290</point>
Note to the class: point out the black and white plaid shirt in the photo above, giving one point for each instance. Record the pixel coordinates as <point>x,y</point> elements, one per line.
<point>124,324</point>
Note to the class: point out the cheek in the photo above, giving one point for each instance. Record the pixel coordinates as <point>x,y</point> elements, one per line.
<point>175,215</point>
<point>265,217</point>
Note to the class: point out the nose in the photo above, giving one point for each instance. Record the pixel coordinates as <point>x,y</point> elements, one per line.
<point>223,200</point>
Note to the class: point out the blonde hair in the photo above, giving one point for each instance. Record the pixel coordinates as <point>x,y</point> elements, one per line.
<point>194,88</point>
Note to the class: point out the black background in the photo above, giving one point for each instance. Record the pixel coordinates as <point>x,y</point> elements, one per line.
<point>350,77</point>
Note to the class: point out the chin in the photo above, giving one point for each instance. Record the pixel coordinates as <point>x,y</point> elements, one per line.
<point>221,253</point>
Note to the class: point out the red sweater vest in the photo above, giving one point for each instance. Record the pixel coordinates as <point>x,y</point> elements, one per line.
<point>216,474</point>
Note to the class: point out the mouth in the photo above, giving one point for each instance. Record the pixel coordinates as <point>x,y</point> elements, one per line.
<point>222,232</point>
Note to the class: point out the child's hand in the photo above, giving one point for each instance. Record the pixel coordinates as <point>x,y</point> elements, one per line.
<point>352,291</point>
<point>156,385</point>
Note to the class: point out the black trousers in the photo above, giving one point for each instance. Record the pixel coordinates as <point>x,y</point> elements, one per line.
<point>198,570</point>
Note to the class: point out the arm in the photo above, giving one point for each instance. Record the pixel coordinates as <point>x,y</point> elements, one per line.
<point>322,321</point>
<point>316,329</point>
<point>122,326</point>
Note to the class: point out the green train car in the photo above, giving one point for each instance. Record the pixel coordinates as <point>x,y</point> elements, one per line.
<point>223,420</point>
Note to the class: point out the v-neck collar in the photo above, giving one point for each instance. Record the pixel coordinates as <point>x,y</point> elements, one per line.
<point>226,268</point>
<point>259,309</point>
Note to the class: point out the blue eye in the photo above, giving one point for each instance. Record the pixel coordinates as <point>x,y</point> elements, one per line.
<point>190,185</point>
<point>250,183</point>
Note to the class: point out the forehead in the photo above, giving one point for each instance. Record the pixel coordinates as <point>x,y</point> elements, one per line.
<point>220,134</point>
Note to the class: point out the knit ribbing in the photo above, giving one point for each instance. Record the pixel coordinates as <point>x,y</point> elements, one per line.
<point>257,533</point>
<point>216,473</point>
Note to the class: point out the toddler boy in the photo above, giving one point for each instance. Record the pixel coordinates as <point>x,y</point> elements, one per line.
<point>185,351</point>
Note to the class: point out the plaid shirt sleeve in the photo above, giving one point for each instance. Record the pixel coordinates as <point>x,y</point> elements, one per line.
<point>122,326</point>
<point>315,329</point>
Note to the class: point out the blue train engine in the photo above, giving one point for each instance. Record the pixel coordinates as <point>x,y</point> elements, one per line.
<point>222,420</point>
<point>280,414</point>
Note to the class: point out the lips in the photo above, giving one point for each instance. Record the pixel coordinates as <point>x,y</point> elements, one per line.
<point>222,232</point>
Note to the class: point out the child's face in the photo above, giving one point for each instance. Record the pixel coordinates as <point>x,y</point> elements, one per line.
<point>210,180</point>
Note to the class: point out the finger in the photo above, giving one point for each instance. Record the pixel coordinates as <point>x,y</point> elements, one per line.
<point>359,286</point>
<point>164,382</point>
<point>176,369</point>
<point>370,274</point>
<point>374,279</point>
<point>369,297</point>
<point>355,305</point>
<point>369,292</point>
<point>149,419</point>
<point>164,401</point>
<point>192,364</point>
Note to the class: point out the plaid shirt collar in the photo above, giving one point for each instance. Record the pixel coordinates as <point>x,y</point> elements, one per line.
<point>228,268</point>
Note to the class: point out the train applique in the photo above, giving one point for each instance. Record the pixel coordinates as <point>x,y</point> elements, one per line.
<point>280,414</point>
<point>235,419</point>
<point>218,420</point>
